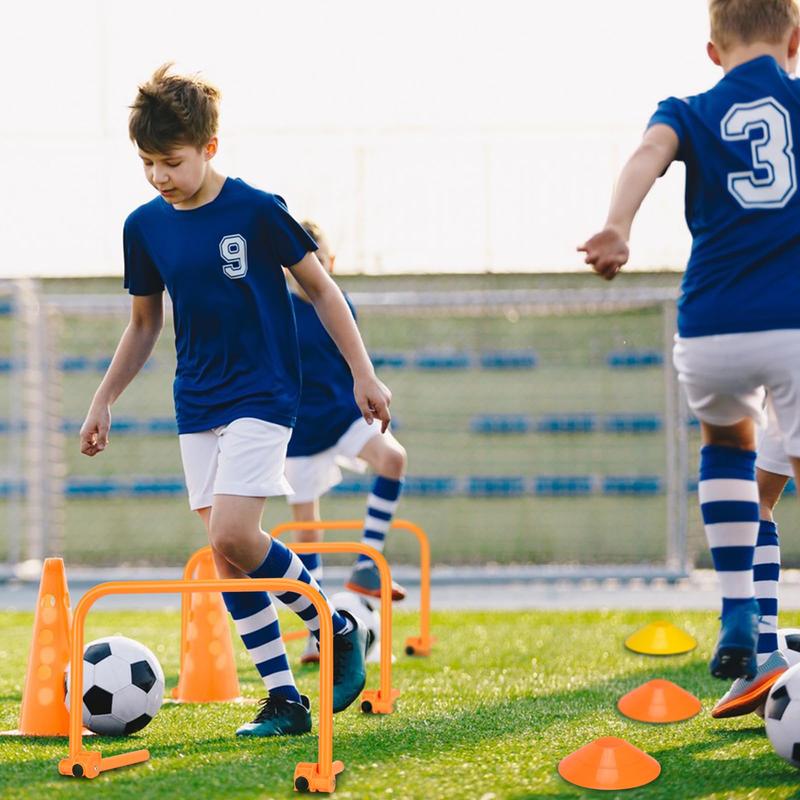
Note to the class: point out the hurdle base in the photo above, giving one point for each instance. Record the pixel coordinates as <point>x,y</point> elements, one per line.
<point>90,763</point>
<point>419,646</point>
<point>373,701</point>
<point>307,777</point>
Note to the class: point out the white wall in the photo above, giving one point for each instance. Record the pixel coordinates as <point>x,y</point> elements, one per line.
<point>432,135</point>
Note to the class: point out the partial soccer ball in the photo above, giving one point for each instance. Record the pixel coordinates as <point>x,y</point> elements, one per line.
<point>361,609</point>
<point>789,644</point>
<point>123,686</point>
<point>782,715</point>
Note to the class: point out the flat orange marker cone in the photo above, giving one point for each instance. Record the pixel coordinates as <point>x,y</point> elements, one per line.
<point>208,669</point>
<point>44,712</point>
<point>659,701</point>
<point>609,763</point>
<point>660,639</point>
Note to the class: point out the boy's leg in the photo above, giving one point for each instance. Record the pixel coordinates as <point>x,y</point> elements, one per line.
<point>236,534</point>
<point>745,695</point>
<point>387,458</point>
<point>285,710</point>
<point>308,512</point>
<point>729,506</point>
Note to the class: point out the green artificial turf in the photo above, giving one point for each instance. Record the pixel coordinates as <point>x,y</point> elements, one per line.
<point>488,715</point>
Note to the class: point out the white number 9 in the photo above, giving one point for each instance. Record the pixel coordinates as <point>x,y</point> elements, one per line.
<point>233,250</point>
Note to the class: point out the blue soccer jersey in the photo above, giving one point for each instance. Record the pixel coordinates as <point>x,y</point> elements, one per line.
<point>234,326</point>
<point>742,204</point>
<point>327,405</point>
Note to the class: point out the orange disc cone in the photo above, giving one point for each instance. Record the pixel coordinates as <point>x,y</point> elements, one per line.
<point>659,701</point>
<point>609,763</point>
<point>208,669</point>
<point>44,712</point>
<point>660,639</point>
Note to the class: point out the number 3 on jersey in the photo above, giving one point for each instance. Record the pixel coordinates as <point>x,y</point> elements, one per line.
<point>233,250</point>
<point>773,180</point>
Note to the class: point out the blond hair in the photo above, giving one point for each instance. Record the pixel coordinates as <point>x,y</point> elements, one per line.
<point>173,110</point>
<point>748,21</point>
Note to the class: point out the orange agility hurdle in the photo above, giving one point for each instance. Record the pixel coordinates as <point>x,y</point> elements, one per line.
<point>308,776</point>
<point>415,645</point>
<point>380,701</point>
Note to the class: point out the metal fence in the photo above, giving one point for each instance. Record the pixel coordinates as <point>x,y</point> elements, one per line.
<point>544,427</point>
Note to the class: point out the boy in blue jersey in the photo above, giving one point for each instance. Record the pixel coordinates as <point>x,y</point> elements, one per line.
<point>329,433</point>
<point>738,315</point>
<point>219,247</point>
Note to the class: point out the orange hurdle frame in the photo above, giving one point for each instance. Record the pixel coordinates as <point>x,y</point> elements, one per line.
<point>415,645</point>
<point>373,701</point>
<point>308,776</point>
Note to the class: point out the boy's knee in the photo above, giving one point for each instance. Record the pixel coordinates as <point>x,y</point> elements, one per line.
<point>225,537</point>
<point>393,463</point>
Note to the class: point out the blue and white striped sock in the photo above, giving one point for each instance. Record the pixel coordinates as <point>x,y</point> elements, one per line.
<point>766,573</point>
<point>281,562</point>
<point>381,505</point>
<point>257,623</point>
<point>313,563</point>
<point>729,505</point>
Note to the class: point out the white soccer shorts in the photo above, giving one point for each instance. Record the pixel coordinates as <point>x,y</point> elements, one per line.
<point>771,453</point>
<point>725,378</point>
<point>245,457</point>
<point>312,476</point>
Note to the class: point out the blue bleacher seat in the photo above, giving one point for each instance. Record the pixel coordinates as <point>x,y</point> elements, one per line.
<point>635,358</point>
<point>6,365</point>
<point>357,484</point>
<point>92,487</point>
<point>500,423</point>
<point>632,485</point>
<point>166,486</point>
<point>393,360</point>
<point>430,486</point>
<point>75,364</point>
<point>562,485</point>
<point>509,359</point>
<point>443,361</point>
<point>495,486</point>
<point>632,423</point>
<point>567,423</point>
<point>161,425</point>
<point>6,306</point>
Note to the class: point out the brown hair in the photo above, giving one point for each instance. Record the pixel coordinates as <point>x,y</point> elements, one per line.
<point>748,21</point>
<point>173,110</point>
<point>312,229</point>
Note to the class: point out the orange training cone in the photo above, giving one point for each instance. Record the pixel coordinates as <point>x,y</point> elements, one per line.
<point>659,701</point>
<point>609,763</point>
<point>208,669</point>
<point>660,639</point>
<point>44,712</point>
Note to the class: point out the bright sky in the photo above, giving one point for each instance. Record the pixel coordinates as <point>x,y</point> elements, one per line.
<point>441,135</point>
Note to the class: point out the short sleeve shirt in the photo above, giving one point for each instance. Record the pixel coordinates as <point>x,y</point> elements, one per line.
<point>235,336</point>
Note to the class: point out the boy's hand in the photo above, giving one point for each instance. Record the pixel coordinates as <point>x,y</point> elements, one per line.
<point>607,252</point>
<point>373,398</point>
<point>94,431</point>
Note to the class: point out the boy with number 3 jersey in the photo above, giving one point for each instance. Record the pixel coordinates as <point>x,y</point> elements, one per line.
<point>739,311</point>
<point>219,246</point>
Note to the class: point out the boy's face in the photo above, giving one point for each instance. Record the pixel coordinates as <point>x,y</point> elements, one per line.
<point>178,174</point>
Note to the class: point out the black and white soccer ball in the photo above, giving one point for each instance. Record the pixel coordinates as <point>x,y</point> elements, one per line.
<point>123,686</point>
<point>782,715</point>
<point>789,644</point>
<point>362,610</point>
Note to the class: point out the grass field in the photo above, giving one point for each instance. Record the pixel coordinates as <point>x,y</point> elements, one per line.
<point>487,717</point>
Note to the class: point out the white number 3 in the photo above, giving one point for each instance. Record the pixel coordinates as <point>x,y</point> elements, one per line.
<point>233,250</point>
<point>767,125</point>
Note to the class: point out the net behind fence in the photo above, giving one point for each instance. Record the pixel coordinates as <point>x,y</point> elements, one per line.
<point>542,427</point>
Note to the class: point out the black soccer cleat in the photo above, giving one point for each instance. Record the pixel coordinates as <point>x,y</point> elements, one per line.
<point>278,716</point>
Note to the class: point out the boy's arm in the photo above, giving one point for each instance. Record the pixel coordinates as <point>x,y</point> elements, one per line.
<point>372,396</point>
<point>133,350</point>
<point>607,251</point>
